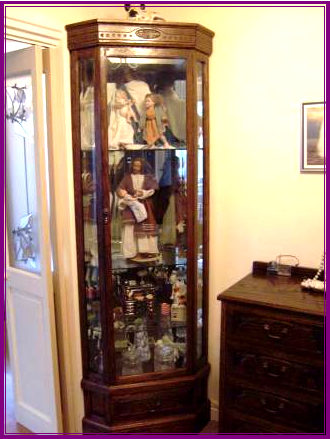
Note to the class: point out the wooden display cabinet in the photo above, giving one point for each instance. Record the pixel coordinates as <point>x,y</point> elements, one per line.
<point>141,152</point>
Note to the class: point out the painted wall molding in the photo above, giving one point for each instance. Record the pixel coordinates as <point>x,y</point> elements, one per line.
<point>31,33</point>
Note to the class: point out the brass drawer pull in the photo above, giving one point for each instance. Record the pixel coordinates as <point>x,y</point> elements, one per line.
<point>268,372</point>
<point>267,328</point>
<point>273,411</point>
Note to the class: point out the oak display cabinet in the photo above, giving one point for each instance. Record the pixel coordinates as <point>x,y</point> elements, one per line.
<point>139,95</point>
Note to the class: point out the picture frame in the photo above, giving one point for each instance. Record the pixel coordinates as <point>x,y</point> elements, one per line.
<point>313,137</point>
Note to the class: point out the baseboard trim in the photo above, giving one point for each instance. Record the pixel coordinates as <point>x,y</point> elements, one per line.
<point>214,410</point>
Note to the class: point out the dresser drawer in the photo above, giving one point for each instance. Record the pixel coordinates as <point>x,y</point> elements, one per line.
<point>306,416</point>
<point>234,422</point>
<point>276,332</point>
<point>143,405</point>
<point>272,371</point>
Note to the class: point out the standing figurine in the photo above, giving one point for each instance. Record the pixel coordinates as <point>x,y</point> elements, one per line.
<point>121,131</point>
<point>139,230</point>
<point>154,120</point>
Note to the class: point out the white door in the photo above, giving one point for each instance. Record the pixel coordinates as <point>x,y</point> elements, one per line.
<point>30,318</point>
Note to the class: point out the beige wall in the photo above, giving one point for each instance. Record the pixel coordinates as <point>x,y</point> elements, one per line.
<point>266,62</point>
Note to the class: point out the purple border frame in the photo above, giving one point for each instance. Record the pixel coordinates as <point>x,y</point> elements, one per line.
<point>163,4</point>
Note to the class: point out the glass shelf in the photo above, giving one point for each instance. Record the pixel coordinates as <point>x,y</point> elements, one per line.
<point>165,259</point>
<point>145,148</point>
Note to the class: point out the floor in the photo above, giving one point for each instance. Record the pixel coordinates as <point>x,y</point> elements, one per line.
<point>212,427</point>
<point>13,427</point>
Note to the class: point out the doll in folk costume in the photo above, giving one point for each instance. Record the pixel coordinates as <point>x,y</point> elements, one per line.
<point>139,227</point>
<point>154,121</point>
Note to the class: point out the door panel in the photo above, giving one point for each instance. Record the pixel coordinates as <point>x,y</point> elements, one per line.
<point>29,296</point>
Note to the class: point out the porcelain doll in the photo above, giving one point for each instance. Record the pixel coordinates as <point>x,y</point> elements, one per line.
<point>139,238</point>
<point>154,121</point>
<point>120,130</point>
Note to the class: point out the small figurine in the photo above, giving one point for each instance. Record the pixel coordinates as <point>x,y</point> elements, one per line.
<point>139,238</point>
<point>154,121</point>
<point>133,13</point>
<point>121,131</point>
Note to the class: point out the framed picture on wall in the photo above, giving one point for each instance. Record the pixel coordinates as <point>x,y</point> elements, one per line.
<point>313,137</point>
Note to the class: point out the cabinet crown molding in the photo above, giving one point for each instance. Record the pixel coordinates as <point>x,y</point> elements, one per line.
<point>139,34</point>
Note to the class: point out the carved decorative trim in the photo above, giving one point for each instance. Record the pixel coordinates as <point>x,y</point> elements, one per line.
<point>32,33</point>
<point>146,34</point>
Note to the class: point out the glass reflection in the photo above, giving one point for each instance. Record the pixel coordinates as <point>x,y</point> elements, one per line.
<point>200,209</point>
<point>88,184</point>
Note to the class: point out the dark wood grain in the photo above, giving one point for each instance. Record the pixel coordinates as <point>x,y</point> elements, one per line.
<point>279,292</point>
<point>272,356</point>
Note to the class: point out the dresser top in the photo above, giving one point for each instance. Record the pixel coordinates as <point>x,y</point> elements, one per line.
<point>272,291</point>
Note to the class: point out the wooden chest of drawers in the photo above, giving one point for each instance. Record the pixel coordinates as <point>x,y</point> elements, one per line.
<point>272,356</point>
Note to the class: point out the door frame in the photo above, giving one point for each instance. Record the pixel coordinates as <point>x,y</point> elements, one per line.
<point>62,219</point>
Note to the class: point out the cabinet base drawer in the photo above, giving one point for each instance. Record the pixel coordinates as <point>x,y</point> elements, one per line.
<point>185,423</point>
<point>145,405</point>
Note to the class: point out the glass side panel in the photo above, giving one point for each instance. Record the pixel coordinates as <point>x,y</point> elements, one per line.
<point>200,107</point>
<point>200,210</point>
<point>21,196</point>
<point>88,184</point>
<point>148,181</point>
